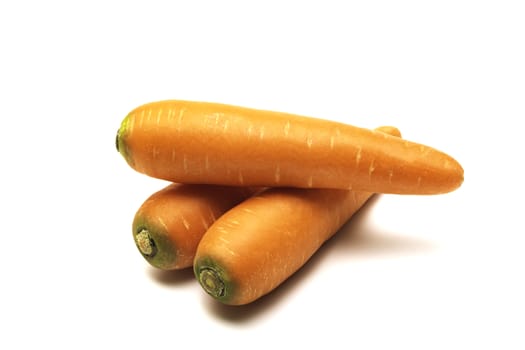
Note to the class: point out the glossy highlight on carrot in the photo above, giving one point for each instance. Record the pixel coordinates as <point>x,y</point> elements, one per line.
<point>258,244</point>
<point>170,223</point>
<point>212,143</point>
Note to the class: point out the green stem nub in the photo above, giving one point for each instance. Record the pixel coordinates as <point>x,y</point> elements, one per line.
<point>117,141</point>
<point>211,282</point>
<point>145,243</point>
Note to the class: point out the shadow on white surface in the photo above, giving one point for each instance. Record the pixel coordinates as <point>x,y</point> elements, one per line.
<point>357,239</point>
<point>361,237</point>
<point>172,278</point>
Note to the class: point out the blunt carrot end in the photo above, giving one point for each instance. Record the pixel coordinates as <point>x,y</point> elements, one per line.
<point>146,244</point>
<point>153,244</point>
<point>120,141</point>
<point>215,280</point>
<point>212,282</point>
<point>117,142</point>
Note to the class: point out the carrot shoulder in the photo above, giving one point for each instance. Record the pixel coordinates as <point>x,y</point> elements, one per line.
<point>200,142</point>
<point>170,223</point>
<point>258,244</point>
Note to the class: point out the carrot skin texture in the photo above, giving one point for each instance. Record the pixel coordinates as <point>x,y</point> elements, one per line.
<point>170,223</point>
<point>271,234</point>
<point>202,142</point>
<point>258,244</point>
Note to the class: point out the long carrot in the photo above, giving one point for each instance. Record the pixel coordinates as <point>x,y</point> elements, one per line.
<point>170,223</point>
<point>258,244</point>
<point>200,142</point>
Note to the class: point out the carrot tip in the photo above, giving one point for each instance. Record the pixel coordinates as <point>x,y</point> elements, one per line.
<point>211,282</point>
<point>145,243</point>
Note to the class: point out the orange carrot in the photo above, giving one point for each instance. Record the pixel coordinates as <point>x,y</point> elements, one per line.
<point>170,223</point>
<point>199,142</point>
<point>258,244</point>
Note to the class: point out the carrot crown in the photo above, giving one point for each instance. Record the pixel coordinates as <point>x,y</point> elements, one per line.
<point>120,139</point>
<point>154,244</point>
<point>214,279</point>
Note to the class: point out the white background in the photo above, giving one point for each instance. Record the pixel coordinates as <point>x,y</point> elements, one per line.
<point>408,272</point>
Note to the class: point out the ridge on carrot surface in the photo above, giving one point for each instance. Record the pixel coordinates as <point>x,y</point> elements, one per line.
<point>212,143</point>
<point>258,244</point>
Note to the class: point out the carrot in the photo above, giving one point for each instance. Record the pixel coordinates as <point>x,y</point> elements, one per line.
<point>170,223</point>
<point>200,142</point>
<point>258,244</point>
